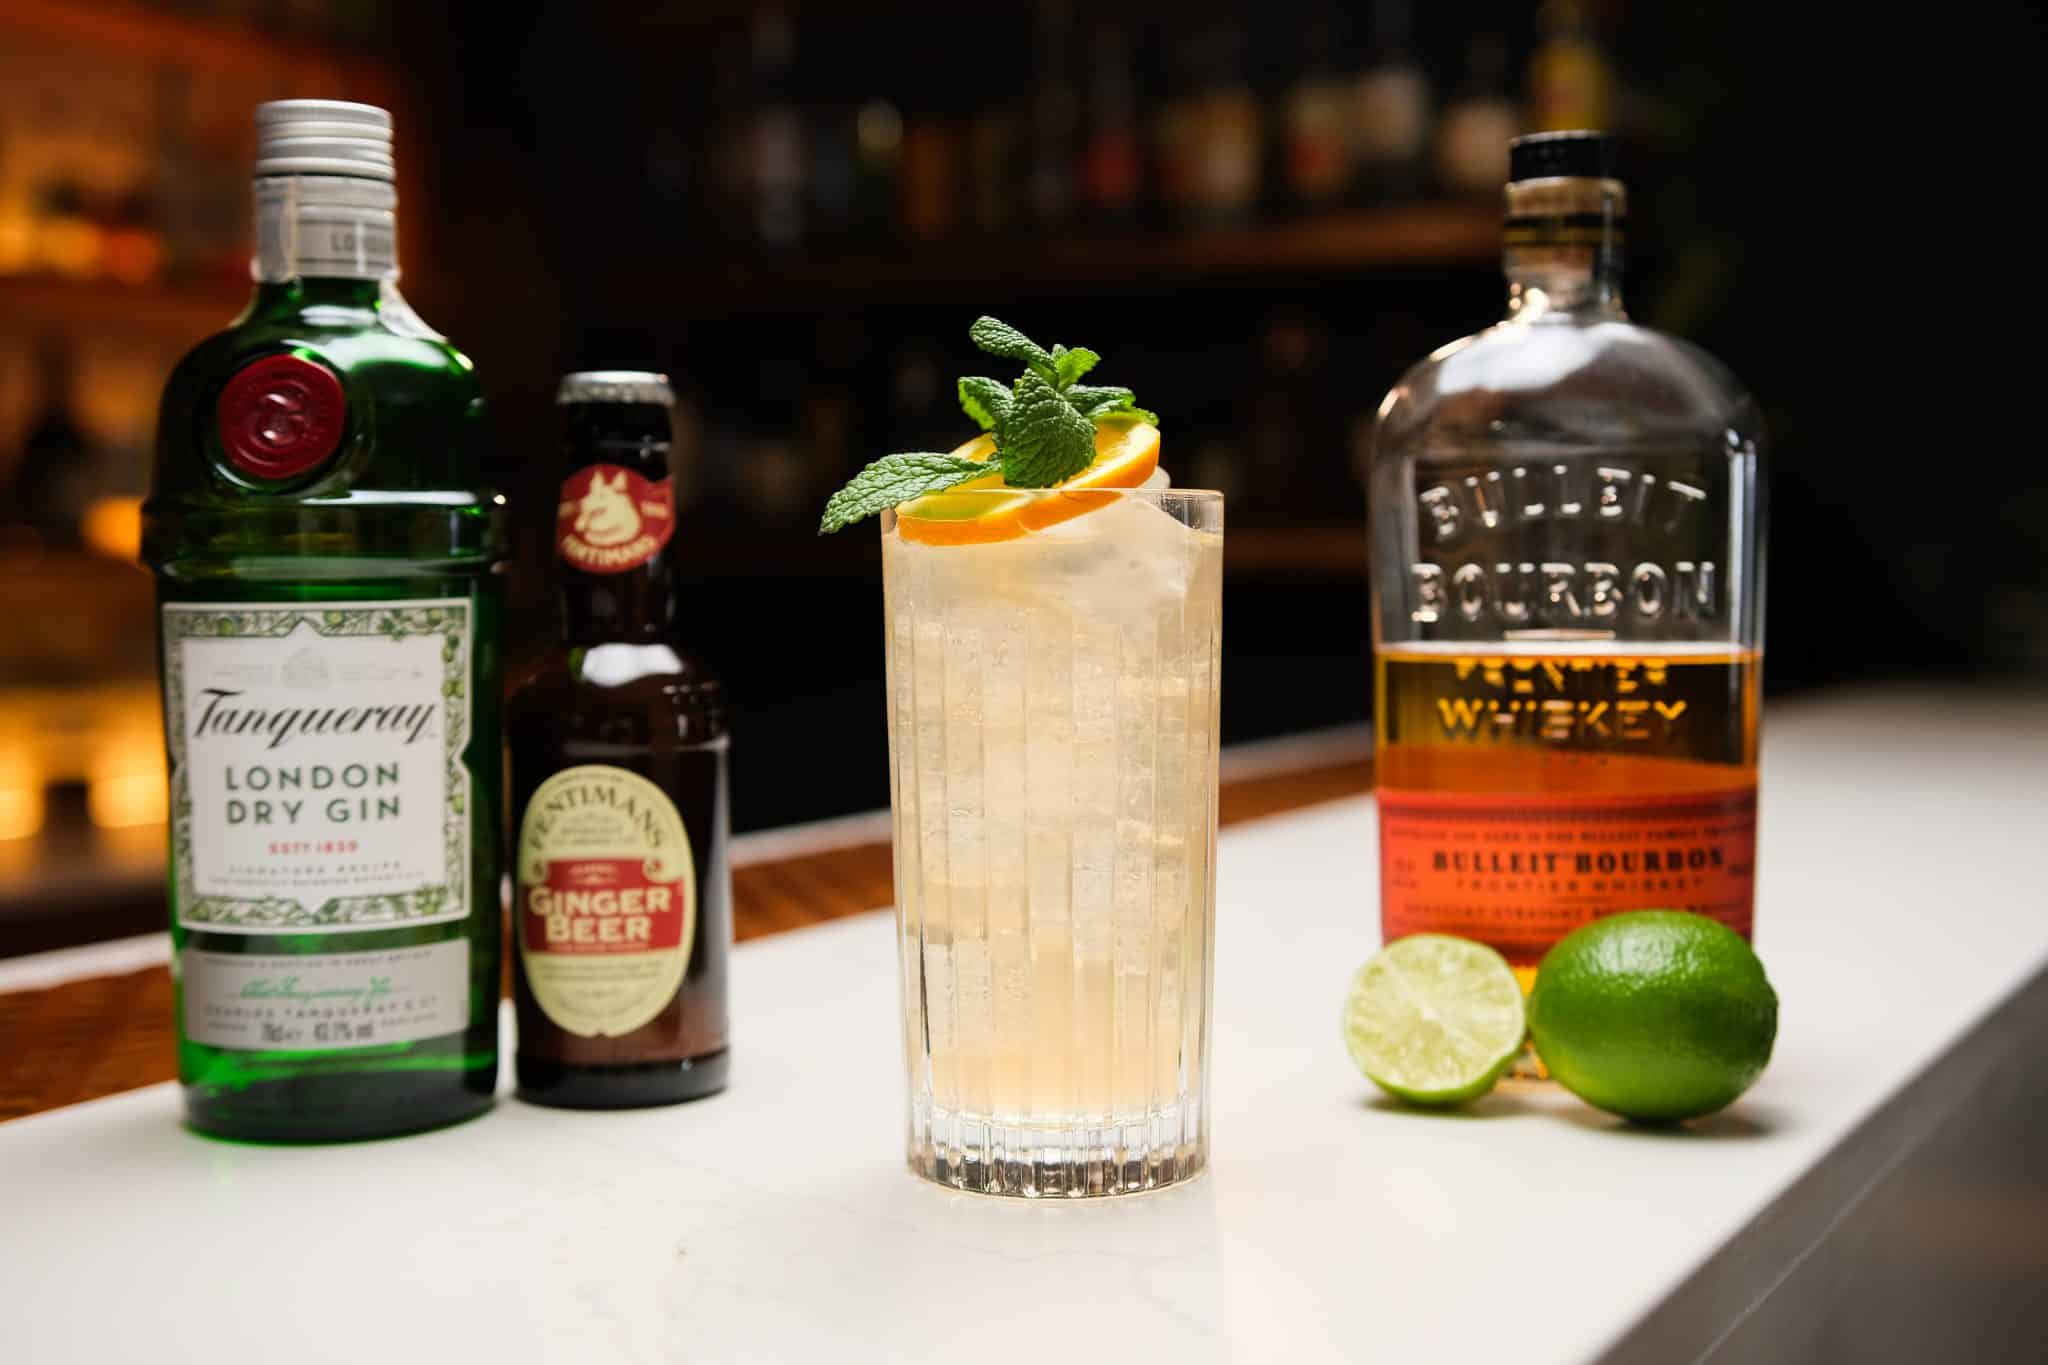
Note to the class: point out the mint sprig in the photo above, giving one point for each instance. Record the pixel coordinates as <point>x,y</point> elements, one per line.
<point>1043,425</point>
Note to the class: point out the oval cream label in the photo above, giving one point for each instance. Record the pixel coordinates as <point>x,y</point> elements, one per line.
<point>607,899</point>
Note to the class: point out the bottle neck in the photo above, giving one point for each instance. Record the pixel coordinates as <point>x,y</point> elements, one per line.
<point>1564,242</point>
<point>326,228</point>
<point>637,604</point>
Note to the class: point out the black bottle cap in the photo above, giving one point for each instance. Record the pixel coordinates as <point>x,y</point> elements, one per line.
<point>615,407</point>
<point>1580,152</point>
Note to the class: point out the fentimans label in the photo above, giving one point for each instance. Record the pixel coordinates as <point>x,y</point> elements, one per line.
<point>607,901</point>
<point>612,519</point>
<point>317,782</point>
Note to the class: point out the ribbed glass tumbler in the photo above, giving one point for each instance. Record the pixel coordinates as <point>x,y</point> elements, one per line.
<point>1052,745</point>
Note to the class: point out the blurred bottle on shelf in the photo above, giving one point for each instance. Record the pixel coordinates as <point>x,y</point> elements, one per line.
<point>997,149</point>
<point>50,483</point>
<point>726,210</point>
<point>773,482</point>
<point>1391,109</point>
<point>877,139</point>
<point>1317,140</point>
<point>1176,117</point>
<point>769,477</point>
<point>687,454</point>
<point>831,138</point>
<point>1055,113</point>
<point>1214,133</point>
<point>924,414</point>
<point>67,241</point>
<point>203,141</point>
<point>670,110</point>
<point>1209,388</point>
<point>1112,160</point>
<point>831,432</point>
<point>1571,84</point>
<point>934,127</point>
<point>1478,122</point>
<point>76,133</point>
<point>775,133</point>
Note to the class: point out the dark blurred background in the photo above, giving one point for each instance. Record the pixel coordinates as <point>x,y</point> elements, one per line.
<point>1260,214</point>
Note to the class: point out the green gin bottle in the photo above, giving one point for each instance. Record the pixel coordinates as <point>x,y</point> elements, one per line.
<point>327,553</point>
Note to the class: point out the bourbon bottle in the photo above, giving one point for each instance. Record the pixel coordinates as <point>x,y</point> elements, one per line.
<point>1568,600</point>
<point>326,549</point>
<point>622,913</point>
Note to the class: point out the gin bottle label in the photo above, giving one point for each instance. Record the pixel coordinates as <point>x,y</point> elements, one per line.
<point>317,781</point>
<point>322,1001</point>
<point>607,902</point>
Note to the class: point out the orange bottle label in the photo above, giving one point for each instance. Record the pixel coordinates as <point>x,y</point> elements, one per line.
<point>1519,871</point>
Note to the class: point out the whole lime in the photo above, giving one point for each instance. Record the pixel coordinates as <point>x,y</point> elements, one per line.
<point>1655,1015</point>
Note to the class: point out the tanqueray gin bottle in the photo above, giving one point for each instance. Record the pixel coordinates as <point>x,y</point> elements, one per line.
<point>1568,600</point>
<point>326,554</point>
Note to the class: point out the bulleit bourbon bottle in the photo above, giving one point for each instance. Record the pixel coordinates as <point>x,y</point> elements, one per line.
<point>326,550</point>
<point>622,908</point>
<point>1568,600</point>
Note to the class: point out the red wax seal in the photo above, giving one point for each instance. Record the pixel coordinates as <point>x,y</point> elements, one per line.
<point>280,416</point>
<point>611,519</point>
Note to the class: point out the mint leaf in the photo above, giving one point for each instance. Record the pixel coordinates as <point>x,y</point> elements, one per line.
<point>1071,365</point>
<point>1000,338</point>
<point>896,479</point>
<point>1094,398</point>
<point>1046,439</point>
<point>1103,400</point>
<point>985,400</point>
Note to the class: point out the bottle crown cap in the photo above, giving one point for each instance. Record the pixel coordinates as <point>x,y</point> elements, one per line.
<point>615,386</point>
<point>324,137</point>
<point>1579,153</point>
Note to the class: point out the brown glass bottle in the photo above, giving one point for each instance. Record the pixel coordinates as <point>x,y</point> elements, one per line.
<point>622,905</point>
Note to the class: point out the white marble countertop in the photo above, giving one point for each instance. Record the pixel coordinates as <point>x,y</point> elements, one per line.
<point>1904,854</point>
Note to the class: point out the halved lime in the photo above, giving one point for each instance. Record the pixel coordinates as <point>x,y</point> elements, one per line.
<point>1433,1019</point>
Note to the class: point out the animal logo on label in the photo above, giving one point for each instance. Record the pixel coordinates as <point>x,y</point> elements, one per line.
<point>612,519</point>
<point>606,515</point>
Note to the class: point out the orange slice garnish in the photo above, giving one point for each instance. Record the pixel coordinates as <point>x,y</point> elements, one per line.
<point>978,512</point>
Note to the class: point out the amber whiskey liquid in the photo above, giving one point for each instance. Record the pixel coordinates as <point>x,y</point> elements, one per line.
<point>1524,791</point>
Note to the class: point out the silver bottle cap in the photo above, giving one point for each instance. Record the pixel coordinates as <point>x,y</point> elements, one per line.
<point>323,137</point>
<point>615,386</point>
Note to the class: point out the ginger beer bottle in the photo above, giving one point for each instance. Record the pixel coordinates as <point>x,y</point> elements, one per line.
<point>622,908</point>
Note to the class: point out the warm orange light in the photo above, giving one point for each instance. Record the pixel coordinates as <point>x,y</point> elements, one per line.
<point>113,527</point>
<point>126,783</point>
<point>21,793</point>
<point>21,811</point>
<point>17,240</point>
<point>21,789</point>
<point>119,802</point>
